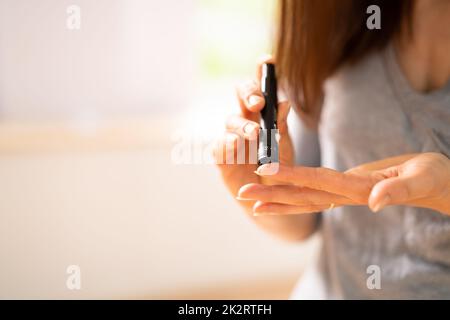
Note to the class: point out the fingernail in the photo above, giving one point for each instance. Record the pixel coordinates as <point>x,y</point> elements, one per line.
<point>382,203</point>
<point>254,100</point>
<point>263,214</point>
<point>242,199</point>
<point>267,169</point>
<point>250,130</point>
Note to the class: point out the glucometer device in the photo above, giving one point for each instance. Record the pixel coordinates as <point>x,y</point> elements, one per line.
<point>268,135</point>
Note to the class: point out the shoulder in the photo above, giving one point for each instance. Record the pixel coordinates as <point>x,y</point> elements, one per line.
<point>360,110</point>
<point>362,78</point>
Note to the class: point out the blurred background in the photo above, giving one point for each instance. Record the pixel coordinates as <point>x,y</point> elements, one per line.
<point>91,174</point>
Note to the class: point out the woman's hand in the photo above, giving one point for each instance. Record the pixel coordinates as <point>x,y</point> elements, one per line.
<point>421,180</point>
<point>233,155</point>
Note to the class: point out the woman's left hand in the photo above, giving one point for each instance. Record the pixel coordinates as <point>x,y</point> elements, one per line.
<point>421,180</point>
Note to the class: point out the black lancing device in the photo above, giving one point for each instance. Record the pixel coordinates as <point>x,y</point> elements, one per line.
<point>268,136</point>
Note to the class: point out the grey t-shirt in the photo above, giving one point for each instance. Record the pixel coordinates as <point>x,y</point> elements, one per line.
<point>370,113</point>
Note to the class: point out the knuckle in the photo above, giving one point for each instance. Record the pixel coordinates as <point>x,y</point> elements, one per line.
<point>251,88</point>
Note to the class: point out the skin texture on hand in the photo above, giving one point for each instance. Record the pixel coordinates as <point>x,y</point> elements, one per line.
<point>243,128</point>
<point>421,180</point>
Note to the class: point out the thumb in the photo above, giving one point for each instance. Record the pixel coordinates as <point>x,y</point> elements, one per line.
<point>396,190</point>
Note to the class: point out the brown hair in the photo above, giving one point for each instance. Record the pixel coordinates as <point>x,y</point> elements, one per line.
<point>315,38</point>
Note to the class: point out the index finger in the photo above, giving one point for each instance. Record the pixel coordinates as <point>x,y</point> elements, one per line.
<point>249,94</point>
<point>351,186</point>
<point>250,98</point>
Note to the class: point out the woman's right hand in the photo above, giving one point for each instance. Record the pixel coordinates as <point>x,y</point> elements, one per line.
<point>243,129</point>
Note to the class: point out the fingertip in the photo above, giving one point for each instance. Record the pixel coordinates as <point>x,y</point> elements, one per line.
<point>244,190</point>
<point>264,209</point>
<point>254,100</point>
<point>255,103</point>
<point>251,130</point>
<point>260,208</point>
<point>376,206</point>
<point>373,197</point>
<point>257,205</point>
<point>379,197</point>
<point>264,214</point>
<point>268,169</point>
<point>266,58</point>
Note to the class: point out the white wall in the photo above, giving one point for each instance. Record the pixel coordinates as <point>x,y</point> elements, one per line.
<point>135,223</point>
<point>129,56</point>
